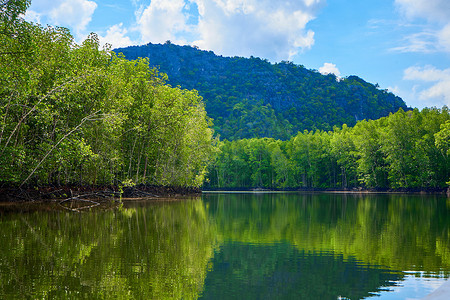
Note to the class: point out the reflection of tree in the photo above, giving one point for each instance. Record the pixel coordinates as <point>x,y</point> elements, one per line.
<point>153,252</point>
<point>397,231</point>
<point>280,271</point>
<point>165,250</point>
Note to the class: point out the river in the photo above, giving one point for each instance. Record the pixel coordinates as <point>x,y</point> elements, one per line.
<point>230,246</point>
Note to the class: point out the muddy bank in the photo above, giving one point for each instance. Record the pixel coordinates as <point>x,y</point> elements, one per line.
<point>337,190</point>
<point>51,193</point>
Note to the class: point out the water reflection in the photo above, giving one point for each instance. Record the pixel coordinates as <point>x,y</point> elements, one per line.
<point>280,271</point>
<point>308,246</point>
<point>400,232</point>
<point>149,252</point>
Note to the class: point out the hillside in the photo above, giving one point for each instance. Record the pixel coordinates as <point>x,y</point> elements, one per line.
<point>250,97</point>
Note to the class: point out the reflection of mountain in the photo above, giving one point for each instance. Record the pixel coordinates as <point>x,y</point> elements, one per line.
<point>280,271</point>
<point>402,232</point>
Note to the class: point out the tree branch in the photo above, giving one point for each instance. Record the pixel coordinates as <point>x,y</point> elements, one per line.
<point>54,146</point>
<point>35,106</point>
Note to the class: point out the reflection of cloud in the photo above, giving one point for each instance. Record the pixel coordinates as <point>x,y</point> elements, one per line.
<point>440,79</point>
<point>412,287</point>
<point>270,29</point>
<point>329,68</point>
<point>440,290</point>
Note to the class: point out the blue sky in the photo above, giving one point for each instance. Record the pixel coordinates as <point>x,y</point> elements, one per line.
<point>403,45</point>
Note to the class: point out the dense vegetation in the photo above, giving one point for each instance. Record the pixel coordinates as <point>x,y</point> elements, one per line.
<point>75,114</point>
<point>72,113</point>
<point>250,98</point>
<point>404,150</point>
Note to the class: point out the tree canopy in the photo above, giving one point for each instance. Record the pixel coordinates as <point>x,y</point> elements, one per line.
<point>406,150</point>
<point>73,113</point>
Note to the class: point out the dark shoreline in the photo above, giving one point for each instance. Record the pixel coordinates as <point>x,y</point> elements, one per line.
<point>54,192</point>
<point>337,190</point>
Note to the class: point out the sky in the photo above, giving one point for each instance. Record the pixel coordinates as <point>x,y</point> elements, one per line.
<point>403,45</point>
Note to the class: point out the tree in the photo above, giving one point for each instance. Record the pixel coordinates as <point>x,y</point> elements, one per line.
<point>442,139</point>
<point>74,113</point>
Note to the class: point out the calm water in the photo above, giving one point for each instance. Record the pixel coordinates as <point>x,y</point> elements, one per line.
<point>231,246</point>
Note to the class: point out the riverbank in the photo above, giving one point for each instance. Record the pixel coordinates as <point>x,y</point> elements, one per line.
<point>52,193</point>
<point>334,190</point>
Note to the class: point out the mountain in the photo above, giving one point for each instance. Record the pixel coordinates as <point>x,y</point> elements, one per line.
<point>251,97</point>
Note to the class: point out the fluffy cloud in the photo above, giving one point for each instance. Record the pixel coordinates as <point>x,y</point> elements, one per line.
<point>438,83</point>
<point>162,20</point>
<point>276,30</point>
<point>444,38</point>
<point>74,13</point>
<point>435,37</point>
<point>33,16</point>
<point>271,29</point>
<point>329,68</point>
<point>433,10</point>
<point>116,36</point>
<point>68,13</point>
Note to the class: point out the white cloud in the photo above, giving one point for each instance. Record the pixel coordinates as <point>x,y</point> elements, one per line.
<point>433,10</point>
<point>116,36</point>
<point>438,87</point>
<point>423,42</point>
<point>32,16</point>
<point>435,37</point>
<point>444,38</point>
<point>270,29</point>
<point>67,13</point>
<point>329,68</point>
<point>394,89</point>
<point>427,73</point>
<point>74,13</point>
<point>276,30</point>
<point>440,90</point>
<point>427,41</point>
<point>162,20</point>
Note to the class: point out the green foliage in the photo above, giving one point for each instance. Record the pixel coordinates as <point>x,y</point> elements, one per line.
<point>251,98</point>
<point>75,114</point>
<point>442,141</point>
<point>405,150</point>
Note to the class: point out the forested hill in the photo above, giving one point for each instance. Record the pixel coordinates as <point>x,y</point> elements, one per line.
<point>250,97</point>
